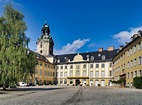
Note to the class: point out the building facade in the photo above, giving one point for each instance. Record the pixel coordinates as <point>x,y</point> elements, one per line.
<point>127,63</point>
<point>45,70</point>
<point>91,68</point>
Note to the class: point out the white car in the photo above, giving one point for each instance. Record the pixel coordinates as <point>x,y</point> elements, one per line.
<point>22,84</point>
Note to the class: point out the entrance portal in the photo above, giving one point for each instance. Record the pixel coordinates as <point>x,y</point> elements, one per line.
<point>77,82</point>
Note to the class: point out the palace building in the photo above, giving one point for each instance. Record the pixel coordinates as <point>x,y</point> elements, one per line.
<point>91,68</point>
<point>127,63</point>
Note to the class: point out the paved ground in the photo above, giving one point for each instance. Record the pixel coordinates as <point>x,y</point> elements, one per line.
<point>60,95</point>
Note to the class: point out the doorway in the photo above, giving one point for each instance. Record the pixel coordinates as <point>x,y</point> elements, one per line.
<point>77,82</point>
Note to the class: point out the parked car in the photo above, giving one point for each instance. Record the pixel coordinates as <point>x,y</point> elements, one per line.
<point>22,84</point>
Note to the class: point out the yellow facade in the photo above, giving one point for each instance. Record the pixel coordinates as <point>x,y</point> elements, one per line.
<point>45,71</point>
<point>128,61</point>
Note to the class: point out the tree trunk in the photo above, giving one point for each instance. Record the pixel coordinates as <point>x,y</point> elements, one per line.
<point>4,86</point>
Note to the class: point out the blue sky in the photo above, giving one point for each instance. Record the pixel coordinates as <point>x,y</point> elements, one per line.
<point>81,25</point>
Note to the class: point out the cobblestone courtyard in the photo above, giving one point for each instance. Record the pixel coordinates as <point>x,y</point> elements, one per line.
<point>60,95</point>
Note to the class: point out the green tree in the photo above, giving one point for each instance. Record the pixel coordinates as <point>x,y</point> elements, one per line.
<point>30,63</point>
<point>13,47</point>
<point>137,82</point>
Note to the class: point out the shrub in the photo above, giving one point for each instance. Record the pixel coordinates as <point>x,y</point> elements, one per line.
<point>50,82</point>
<point>44,82</point>
<point>37,82</point>
<point>137,82</point>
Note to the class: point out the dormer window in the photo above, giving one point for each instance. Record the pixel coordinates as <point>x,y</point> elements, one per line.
<point>92,58</point>
<point>58,60</point>
<point>99,55</point>
<point>103,57</point>
<point>66,59</point>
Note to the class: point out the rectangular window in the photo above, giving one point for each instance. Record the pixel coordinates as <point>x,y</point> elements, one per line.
<point>45,73</point>
<point>77,73</point>
<point>131,63</point>
<point>71,67</point>
<point>40,63</point>
<point>65,74</point>
<point>134,48</point>
<point>65,67</point>
<point>135,62</point>
<point>97,73</point>
<point>84,66</point>
<point>97,65</point>
<point>61,81</point>
<point>110,65</point>
<point>61,67</point>
<point>61,74</point>
<point>65,81</point>
<point>84,73</point>
<point>128,52</point>
<point>131,74</point>
<point>57,67</point>
<point>77,66</point>
<point>128,64</point>
<point>71,73</point>
<point>139,60</point>
<point>103,73</point>
<point>40,72</point>
<point>128,75</point>
<point>110,73</point>
<point>131,51</point>
<point>135,73</point>
<point>103,65</point>
<point>91,74</point>
<point>140,72</point>
<point>139,46</point>
<point>45,65</point>
<point>91,65</point>
<point>48,66</point>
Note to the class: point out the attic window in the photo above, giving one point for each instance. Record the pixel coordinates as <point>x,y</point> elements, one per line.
<point>99,55</point>
<point>66,59</point>
<point>92,58</point>
<point>58,60</point>
<point>103,57</point>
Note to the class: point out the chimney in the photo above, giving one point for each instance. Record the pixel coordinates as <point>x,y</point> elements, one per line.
<point>140,33</point>
<point>126,43</point>
<point>111,48</point>
<point>120,47</point>
<point>134,36</point>
<point>100,49</point>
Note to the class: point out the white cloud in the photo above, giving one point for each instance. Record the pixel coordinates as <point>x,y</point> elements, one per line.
<point>91,45</point>
<point>124,36</point>
<point>71,48</point>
